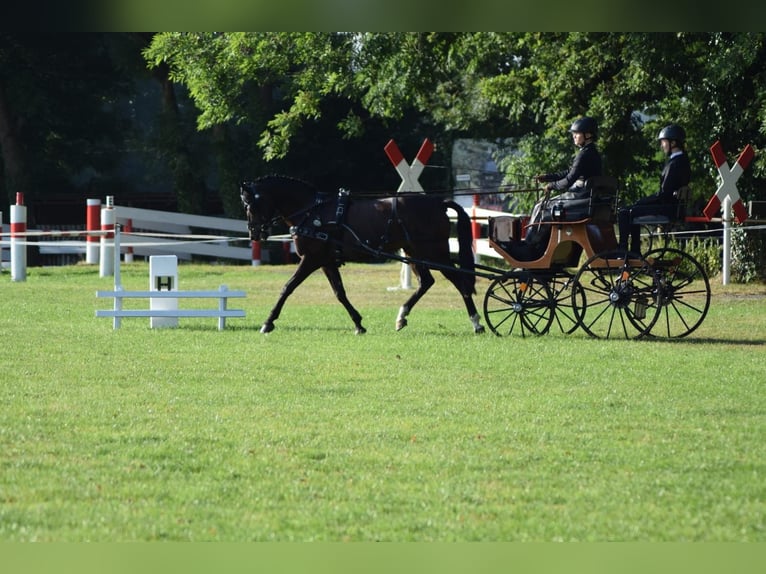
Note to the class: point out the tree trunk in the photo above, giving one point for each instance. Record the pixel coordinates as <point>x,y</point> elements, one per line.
<point>188,184</point>
<point>12,154</point>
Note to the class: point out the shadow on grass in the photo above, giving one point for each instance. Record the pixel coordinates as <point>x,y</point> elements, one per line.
<point>706,341</point>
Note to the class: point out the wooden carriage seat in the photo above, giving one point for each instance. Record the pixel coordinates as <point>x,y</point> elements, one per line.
<point>594,232</point>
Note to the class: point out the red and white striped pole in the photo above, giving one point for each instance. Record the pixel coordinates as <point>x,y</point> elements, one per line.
<point>18,239</point>
<point>409,175</point>
<point>106,267</point>
<point>92,223</point>
<point>255,253</point>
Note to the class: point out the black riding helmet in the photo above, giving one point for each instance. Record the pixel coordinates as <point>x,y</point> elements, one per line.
<point>673,132</point>
<point>585,125</point>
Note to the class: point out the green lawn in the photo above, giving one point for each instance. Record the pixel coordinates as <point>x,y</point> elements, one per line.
<point>312,433</point>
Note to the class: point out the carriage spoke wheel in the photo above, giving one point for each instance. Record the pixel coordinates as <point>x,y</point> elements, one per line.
<point>518,305</point>
<point>615,296</point>
<point>564,316</point>
<point>685,292</point>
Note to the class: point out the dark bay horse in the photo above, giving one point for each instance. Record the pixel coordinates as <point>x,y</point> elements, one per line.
<point>330,229</point>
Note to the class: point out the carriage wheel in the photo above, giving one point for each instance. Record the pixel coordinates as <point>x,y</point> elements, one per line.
<point>564,316</point>
<point>615,296</point>
<point>685,291</point>
<point>518,305</point>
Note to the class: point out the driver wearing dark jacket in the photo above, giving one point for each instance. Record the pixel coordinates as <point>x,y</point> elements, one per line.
<point>574,199</point>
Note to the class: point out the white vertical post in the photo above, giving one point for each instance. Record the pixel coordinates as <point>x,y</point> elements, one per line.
<point>475,228</point>
<point>405,275</point>
<point>726,211</point>
<point>19,242</point>
<point>222,307</point>
<point>163,276</point>
<point>117,276</point>
<point>106,267</point>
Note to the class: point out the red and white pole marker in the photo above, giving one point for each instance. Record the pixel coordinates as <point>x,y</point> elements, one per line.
<point>108,219</point>
<point>255,253</point>
<point>18,239</point>
<point>92,223</point>
<point>728,186</point>
<point>409,173</point>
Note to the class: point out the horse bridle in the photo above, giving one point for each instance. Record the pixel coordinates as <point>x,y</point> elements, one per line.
<point>261,229</point>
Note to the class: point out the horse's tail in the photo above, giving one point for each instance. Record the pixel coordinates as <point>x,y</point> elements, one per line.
<point>465,244</point>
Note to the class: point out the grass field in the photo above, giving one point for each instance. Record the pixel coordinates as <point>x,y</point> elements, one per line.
<point>311,433</point>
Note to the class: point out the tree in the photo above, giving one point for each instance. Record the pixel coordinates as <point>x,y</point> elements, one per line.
<point>528,86</point>
<point>57,114</point>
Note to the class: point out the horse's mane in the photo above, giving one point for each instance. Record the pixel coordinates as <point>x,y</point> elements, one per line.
<point>285,179</point>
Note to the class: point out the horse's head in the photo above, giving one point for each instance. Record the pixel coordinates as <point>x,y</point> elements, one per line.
<point>259,209</point>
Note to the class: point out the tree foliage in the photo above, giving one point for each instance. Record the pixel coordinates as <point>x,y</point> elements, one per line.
<point>323,105</point>
<point>528,86</point>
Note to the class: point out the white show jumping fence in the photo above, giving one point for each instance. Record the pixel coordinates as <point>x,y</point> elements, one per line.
<point>171,296</point>
<point>222,312</point>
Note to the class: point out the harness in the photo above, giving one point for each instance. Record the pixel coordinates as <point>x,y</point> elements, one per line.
<point>315,228</point>
<point>312,226</point>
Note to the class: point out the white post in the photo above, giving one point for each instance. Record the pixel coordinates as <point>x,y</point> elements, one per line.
<point>128,250</point>
<point>222,307</point>
<point>405,276</point>
<point>106,266</point>
<point>163,276</point>
<point>475,228</point>
<point>117,276</point>
<point>726,212</point>
<point>19,243</point>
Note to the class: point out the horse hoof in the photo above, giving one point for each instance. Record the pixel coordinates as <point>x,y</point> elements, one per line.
<point>479,330</point>
<point>401,324</point>
<point>360,330</point>
<point>267,328</point>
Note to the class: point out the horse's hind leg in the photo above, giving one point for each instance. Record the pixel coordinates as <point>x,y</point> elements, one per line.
<point>333,276</point>
<point>466,291</point>
<point>425,280</point>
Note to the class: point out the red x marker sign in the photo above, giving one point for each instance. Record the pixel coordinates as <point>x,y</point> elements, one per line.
<point>728,182</point>
<point>409,173</point>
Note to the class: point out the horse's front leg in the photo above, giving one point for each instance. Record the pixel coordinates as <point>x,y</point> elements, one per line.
<point>425,280</point>
<point>332,273</point>
<point>304,270</point>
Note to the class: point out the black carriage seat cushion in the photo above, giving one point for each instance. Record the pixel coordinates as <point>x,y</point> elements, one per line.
<point>603,198</point>
<point>670,214</point>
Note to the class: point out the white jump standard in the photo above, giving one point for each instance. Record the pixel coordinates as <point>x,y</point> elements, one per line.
<point>164,311</point>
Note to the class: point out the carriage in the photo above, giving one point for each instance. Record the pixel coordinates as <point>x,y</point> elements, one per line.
<point>583,281</point>
<point>579,280</point>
